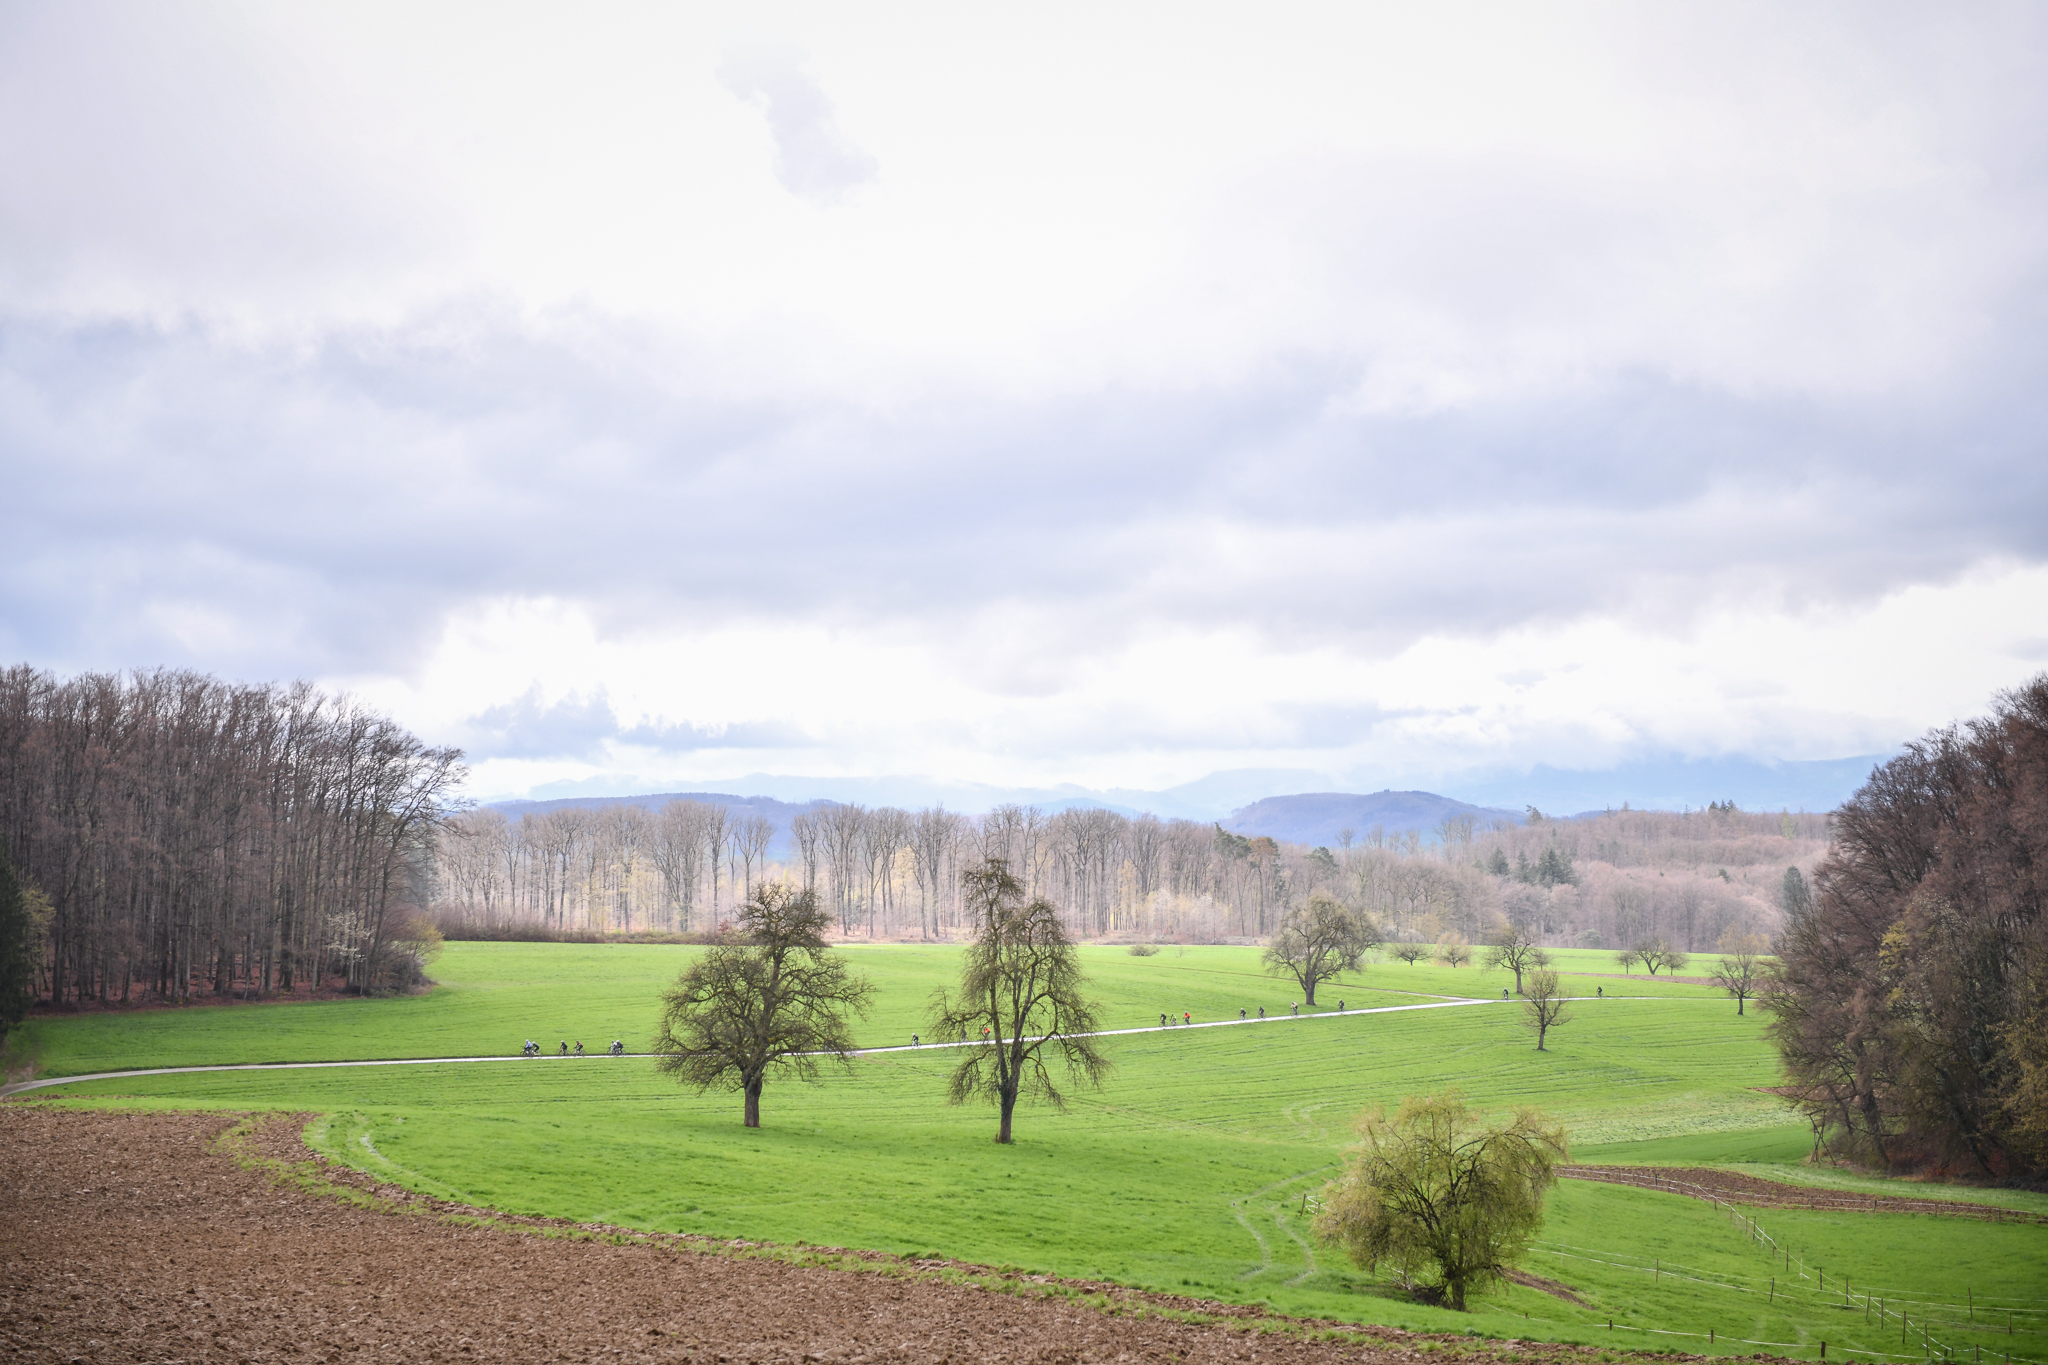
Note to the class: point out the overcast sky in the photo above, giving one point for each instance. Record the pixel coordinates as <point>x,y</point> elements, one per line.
<point>1105,394</point>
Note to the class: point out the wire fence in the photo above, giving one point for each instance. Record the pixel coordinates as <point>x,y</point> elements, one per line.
<point>1808,1287</point>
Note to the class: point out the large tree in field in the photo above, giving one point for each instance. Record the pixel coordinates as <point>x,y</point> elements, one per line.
<point>1435,1191</point>
<point>1910,1003</point>
<point>1517,951</point>
<point>778,997</point>
<point>1544,1005</point>
<point>1319,941</point>
<point>1741,969</point>
<point>1021,982</point>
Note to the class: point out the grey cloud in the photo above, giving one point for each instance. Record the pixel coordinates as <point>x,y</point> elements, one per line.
<point>573,727</point>
<point>581,728</point>
<point>173,497</point>
<point>813,159</point>
<point>685,738</point>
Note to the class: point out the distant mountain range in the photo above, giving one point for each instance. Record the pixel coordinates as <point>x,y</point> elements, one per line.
<point>1251,801</point>
<point>1322,817</point>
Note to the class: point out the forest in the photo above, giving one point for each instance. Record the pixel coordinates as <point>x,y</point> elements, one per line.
<point>1911,1000</point>
<point>178,834</point>
<point>1609,880</point>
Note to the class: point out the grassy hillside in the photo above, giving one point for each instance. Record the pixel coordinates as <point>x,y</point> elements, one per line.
<point>1188,1172</point>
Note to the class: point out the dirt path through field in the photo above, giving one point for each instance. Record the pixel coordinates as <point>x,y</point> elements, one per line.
<point>1731,1187</point>
<point>135,1237</point>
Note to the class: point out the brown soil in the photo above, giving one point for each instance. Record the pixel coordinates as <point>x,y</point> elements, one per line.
<point>1728,1187</point>
<point>1550,1287</point>
<point>153,1237</point>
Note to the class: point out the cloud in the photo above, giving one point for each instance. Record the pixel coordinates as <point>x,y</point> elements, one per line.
<point>530,727</point>
<point>177,496</point>
<point>1324,339</point>
<point>813,159</point>
<point>585,729</point>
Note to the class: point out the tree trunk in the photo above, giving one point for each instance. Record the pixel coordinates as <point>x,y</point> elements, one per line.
<point>753,1089</point>
<point>1308,988</point>
<point>1009,1107</point>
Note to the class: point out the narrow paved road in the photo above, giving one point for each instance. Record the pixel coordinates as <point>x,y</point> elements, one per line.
<point>22,1086</point>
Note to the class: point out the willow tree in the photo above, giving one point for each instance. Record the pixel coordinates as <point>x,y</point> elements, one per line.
<point>779,997</point>
<point>1433,1191</point>
<point>1020,988</point>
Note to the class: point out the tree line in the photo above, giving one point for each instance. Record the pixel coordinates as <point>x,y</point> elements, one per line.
<point>881,872</point>
<point>1911,1000</point>
<point>175,834</point>
<point>1614,880</point>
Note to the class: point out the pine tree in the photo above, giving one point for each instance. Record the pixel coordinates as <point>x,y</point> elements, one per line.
<point>17,949</point>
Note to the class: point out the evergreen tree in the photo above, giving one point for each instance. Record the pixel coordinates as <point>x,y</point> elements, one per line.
<point>17,949</point>
<point>1794,898</point>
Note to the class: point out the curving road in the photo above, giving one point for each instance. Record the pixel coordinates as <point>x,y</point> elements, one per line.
<point>22,1086</point>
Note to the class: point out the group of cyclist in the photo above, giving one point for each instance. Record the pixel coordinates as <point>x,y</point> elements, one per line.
<point>1186,1018</point>
<point>532,1049</point>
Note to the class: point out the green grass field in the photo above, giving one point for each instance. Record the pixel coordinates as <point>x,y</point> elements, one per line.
<point>1187,1172</point>
<point>494,996</point>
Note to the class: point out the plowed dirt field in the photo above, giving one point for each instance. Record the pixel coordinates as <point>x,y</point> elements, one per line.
<point>142,1237</point>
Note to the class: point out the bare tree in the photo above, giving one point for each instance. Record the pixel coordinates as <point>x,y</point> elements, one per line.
<point>717,820</point>
<point>1453,951</point>
<point>1515,950</point>
<point>1410,953</point>
<point>1657,953</point>
<point>754,834</point>
<point>805,834</point>
<point>678,851</point>
<point>845,832</point>
<point>1543,1004</point>
<point>1320,940</point>
<point>1021,984</point>
<point>1739,969</point>
<point>780,998</point>
<point>932,838</point>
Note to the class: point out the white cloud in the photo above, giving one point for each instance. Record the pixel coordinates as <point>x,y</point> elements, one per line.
<point>1045,394</point>
<point>1166,706</point>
